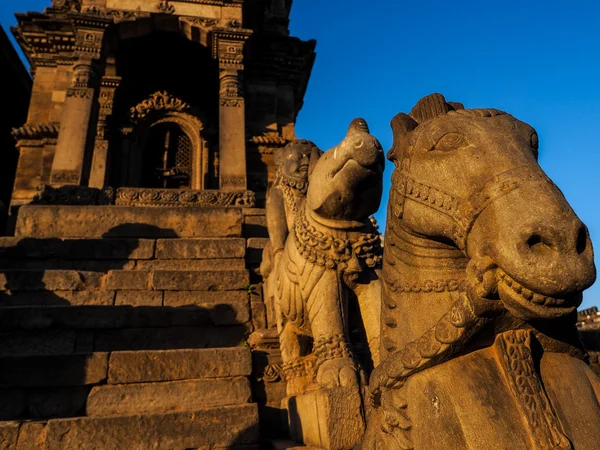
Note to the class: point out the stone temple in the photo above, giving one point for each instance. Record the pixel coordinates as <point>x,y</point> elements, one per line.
<point>128,287</point>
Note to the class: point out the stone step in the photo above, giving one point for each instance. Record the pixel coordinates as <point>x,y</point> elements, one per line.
<point>43,403</point>
<point>168,280</point>
<point>159,280</point>
<point>205,299</point>
<point>57,342</point>
<point>39,221</point>
<point>144,398</point>
<point>124,316</point>
<point>223,427</point>
<point>122,249</point>
<point>119,368</point>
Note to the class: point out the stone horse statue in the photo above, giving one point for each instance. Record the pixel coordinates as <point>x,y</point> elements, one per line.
<point>484,266</point>
<point>332,253</point>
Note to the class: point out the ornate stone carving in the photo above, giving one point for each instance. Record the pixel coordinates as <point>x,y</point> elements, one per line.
<point>37,131</point>
<point>514,259</point>
<point>184,197</point>
<point>233,181</point>
<point>84,93</point>
<point>69,5</point>
<point>201,22</point>
<point>127,16</point>
<point>323,247</point>
<point>165,7</point>
<point>81,195</point>
<point>73,195</point>
<point>66,177</point>
<point>159,101</point>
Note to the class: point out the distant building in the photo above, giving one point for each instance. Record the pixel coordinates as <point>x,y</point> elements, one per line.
<point>588,324</point>
<point>17,91</point>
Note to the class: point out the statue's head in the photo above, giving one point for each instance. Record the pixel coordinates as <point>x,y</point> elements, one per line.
<point>293,161</point>
<point>346,182</point>
<point>471,177</point>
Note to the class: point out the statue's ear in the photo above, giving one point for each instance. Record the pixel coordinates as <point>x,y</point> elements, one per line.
<point>315,154</point>
<point>456,105</point>
<point>402,125</point>
<point>429,107</point>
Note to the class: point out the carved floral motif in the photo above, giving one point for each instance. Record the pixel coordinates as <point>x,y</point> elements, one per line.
<point>187,197</point>
<point>159,101</point>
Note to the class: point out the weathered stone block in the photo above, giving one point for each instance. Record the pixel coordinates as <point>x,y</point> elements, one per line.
<point>50,298</point>
<point>255,226</point>
<point>127,221</point>
<point>57,370</point>
<point>49,403</point>
<point>190,298</point>
<point>32,436</point>
<point>217,427</point>
<point>169,338</point>
<point>166,397</point>
<point>139,298</point>
<point>64,317</point>
<point>224,308</point>
<point>168,365</point>
<point>49,280</point>
<point>15,247</point>
<point>200,248</point>
<point>37,343</point>
<point>330,419</point>
<point>76,249</point>
<point>128,280</point>
<point>192,264</point>
<point>9,432</point>
<point>122,316</point>
<point>109,248</point>
<point>181,280</point>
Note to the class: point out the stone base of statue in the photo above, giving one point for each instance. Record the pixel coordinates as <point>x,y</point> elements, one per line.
<point>330,419</point>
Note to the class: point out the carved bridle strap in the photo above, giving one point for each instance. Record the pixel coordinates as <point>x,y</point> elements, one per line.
<point>464,212</point>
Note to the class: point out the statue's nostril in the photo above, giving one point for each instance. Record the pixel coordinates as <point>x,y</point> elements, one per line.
<point>535,242</point>
<point>582,240</point>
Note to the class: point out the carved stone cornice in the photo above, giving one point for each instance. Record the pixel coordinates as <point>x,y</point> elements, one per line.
<point>37,131</point>
<point>159,101</point>
<point>82,195</point>
<point>268,143</point>
<point>183,197</point>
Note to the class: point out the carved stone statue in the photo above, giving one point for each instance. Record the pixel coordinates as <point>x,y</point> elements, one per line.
<point>332,253</point>
<point>484,266</point>
<point>288,192</point>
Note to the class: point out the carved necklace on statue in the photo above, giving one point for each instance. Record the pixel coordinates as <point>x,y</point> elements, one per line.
<point>326,250</point>
<point>292,190</point>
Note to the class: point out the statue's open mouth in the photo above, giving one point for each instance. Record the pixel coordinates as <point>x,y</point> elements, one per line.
<point>511,290</point>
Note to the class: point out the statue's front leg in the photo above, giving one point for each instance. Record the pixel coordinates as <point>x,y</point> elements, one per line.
<point>327,309</point>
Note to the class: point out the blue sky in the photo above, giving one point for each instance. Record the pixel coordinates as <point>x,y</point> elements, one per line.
<point>538,60</point>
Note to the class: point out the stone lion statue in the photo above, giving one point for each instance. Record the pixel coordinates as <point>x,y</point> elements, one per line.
<point>331,255</point>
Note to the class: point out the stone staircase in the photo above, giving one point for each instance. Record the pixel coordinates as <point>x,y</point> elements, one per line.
<point>121,333</point>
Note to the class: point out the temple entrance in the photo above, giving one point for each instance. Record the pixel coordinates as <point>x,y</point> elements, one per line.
<point>167,157</point>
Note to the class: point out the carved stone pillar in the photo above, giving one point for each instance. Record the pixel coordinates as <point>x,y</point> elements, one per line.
<point>71,163</point>
<point>100,157</point>
<point>68,164</point>
<point>232,123</point>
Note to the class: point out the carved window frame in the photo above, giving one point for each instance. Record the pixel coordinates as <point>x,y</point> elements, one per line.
<point>193,128</point>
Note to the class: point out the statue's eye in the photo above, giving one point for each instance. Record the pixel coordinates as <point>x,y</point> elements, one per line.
<point>450,141</point>
<point>535,142</point>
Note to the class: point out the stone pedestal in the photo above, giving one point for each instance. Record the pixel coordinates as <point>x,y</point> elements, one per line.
<point>331,419</point>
